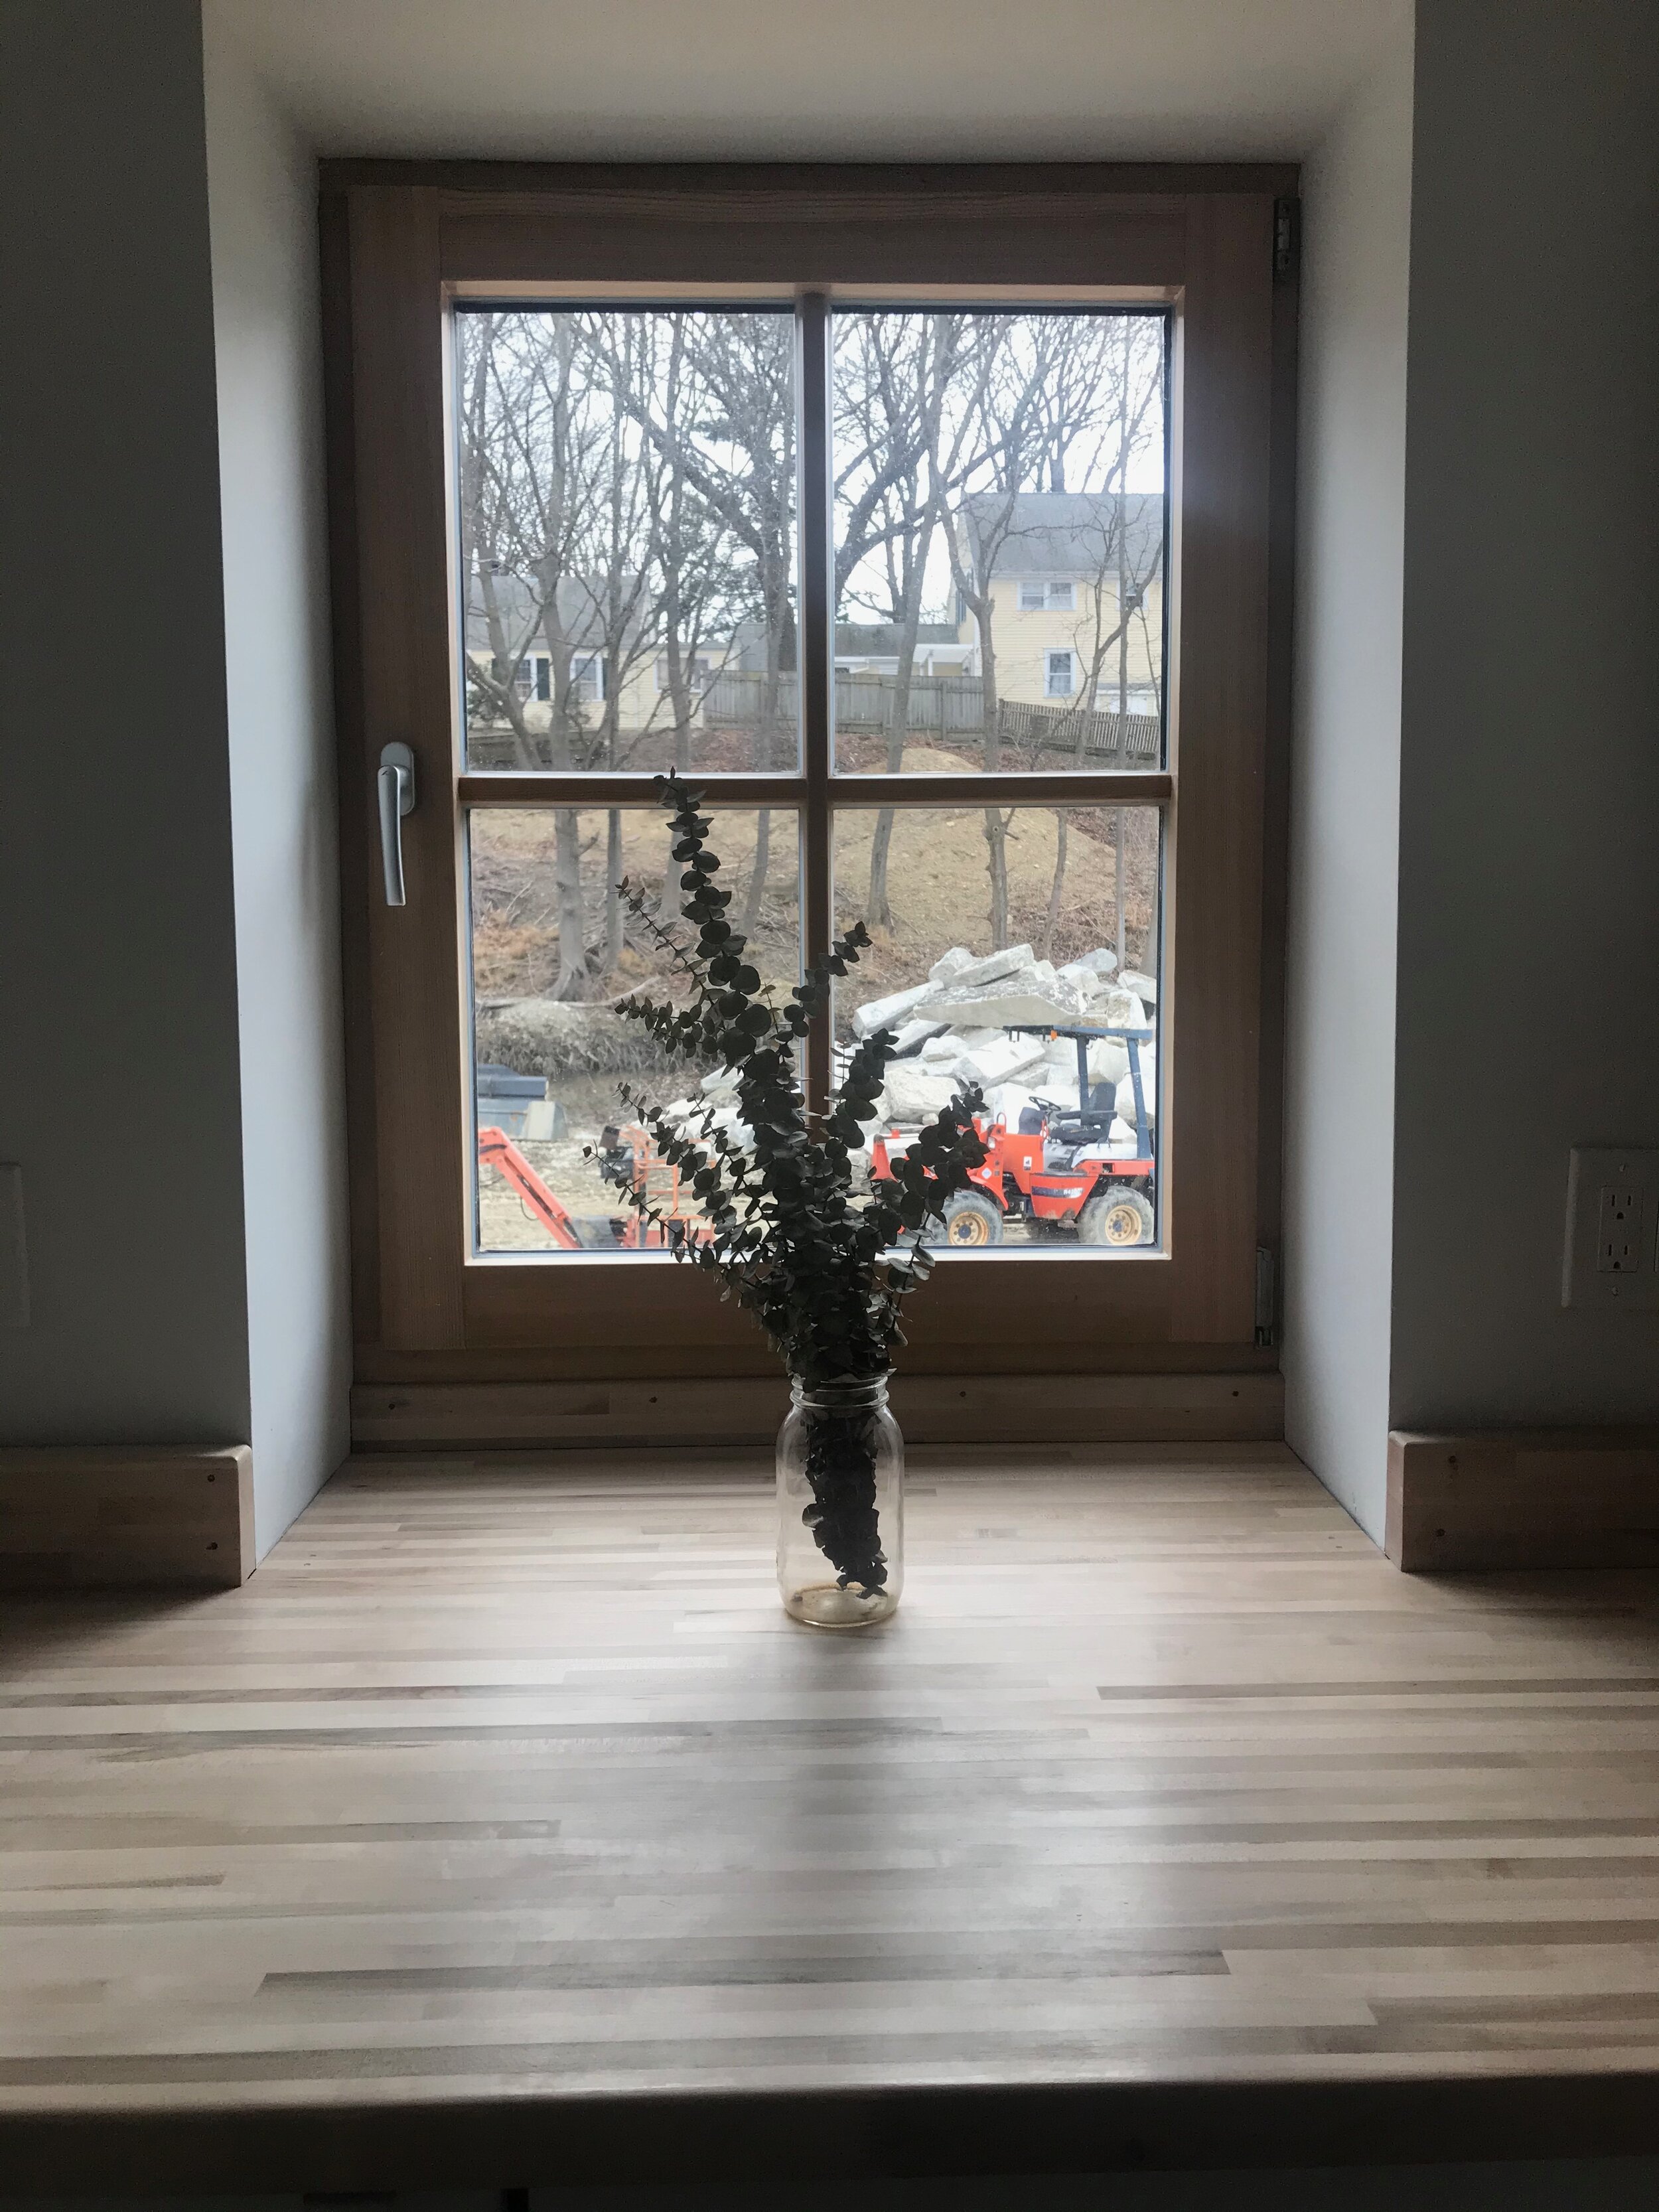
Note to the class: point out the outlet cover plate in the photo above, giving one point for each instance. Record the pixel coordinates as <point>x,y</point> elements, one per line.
<point>1612,1257</point>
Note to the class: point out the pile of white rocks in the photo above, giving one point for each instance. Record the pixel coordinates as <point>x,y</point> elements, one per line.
<point>954,1028</point>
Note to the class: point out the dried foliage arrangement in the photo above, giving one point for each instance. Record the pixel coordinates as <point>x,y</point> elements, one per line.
<point>824,1267</point>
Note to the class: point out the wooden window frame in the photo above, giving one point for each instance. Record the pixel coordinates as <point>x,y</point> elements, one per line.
<point>401,242</point>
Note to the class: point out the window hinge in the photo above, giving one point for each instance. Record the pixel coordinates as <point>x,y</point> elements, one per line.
<point>1287,226</point>
<point>1267,1297</point>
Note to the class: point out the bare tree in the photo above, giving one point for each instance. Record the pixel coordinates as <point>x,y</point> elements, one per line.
<point>892,396</point>
<point>527,477</point>
<point>1008,439</point>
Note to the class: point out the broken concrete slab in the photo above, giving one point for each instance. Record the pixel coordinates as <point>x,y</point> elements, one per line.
<point>960,967</point>
<point>1100,962</point>
<point>911,1096</point>
<point>1121,1009</point>
<point>1109,1061</point>
<point>1016,1001</point>
<point>1000,1060</point>
<point>914,1036</point>
<point>887,1013</point>
<point>1007,1103</point>
<point>1124,1097</point>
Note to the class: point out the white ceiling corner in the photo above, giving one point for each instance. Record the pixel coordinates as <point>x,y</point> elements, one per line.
<point>877,80</point>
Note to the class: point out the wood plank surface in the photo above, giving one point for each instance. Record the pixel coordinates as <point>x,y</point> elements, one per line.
<point>1241,1409</point>
<point>503,1830</point>
<point>128,1516</point>
<point>1524,1498</point>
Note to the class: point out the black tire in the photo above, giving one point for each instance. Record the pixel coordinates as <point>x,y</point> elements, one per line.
<point>970,1223</point>
<point>1119,1216</point>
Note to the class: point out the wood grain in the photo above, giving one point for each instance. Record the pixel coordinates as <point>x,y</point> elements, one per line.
<point>92,1517</point>
<point>1198,238</point>
<point>1524,1498</point>
<point>403,649</point>
<point>503,1830</point>
<point>748,1409</point>
<point>1211,1003</point>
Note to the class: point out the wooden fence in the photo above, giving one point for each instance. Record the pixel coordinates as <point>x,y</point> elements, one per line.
<point>952,711</point>
<point>955,708</point>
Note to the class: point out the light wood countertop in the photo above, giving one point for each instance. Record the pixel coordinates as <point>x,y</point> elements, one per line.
<point>502,1830</point>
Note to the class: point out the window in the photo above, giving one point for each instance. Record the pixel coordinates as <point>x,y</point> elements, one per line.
<point>1058,598</point>
<point>739,449</point>
<point>697,671</point>
<point>588,679</point>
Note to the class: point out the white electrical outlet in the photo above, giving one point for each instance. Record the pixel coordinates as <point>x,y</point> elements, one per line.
<point>1612,1256</point>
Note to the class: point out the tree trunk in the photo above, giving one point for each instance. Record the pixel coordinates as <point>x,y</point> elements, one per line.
<point>765,742</point>
<point>996,829</point>
<point>1149,948</point>
<point>1117,893</point>
<point>996,839</point>
<point>613,906</point>
<point>758,874</point>
<point>1056,889</point>
<point>878,911</point>
<point>572,912</point>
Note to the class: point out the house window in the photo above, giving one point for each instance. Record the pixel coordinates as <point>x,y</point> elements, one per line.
<point>1015,864</point>
<point>532,677</point>
<point>587,679</point>
<point>697,670</point>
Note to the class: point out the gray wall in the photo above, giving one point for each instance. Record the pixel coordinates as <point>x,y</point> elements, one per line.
<point>1528,976</point>
<point>262,192</point>
<point>120,1079</point>
<point>1340,1074</point>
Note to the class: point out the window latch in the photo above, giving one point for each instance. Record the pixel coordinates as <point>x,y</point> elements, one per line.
<point>396,783</point>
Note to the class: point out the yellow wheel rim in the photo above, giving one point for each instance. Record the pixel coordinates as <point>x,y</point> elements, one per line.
<point>967,1228</point>
<point>1122,1223</point>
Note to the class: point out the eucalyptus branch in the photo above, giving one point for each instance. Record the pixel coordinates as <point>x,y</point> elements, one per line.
<point>824,1272</point>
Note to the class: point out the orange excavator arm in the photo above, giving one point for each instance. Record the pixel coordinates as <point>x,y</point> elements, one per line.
<point>504,1156</point>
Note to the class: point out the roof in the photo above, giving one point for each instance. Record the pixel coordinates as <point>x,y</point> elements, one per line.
<point>1070,533</point>
<point>519,601</point>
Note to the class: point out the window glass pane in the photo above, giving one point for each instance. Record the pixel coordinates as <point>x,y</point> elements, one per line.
<point>553,948</point>
<point>626,510</point>
<point>1000,487</point>
<point>1007,941</point>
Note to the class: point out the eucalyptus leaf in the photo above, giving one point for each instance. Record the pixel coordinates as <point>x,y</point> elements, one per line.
<point>824,1272</point>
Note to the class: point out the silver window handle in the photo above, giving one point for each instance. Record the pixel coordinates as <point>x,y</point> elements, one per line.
<point>396,781</point>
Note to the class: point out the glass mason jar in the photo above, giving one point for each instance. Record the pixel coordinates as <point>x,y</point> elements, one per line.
<point>841,1505</point>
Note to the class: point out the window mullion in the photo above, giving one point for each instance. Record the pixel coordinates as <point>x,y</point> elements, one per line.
<point>817,661</point>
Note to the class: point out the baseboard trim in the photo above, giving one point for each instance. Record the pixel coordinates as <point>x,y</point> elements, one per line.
<point>119,1517</point>
<point>747,1410</point>
<point>1524,1498</point>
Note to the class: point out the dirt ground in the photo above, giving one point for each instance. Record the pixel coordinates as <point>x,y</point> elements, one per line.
<point>937,886</point>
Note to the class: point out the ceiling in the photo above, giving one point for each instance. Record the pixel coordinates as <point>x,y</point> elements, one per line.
<point>812,79</point>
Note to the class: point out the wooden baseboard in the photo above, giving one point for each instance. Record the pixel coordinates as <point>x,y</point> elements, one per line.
<point>114,1516</point>
<point>930,1408</point>
<point>1524,1498</point>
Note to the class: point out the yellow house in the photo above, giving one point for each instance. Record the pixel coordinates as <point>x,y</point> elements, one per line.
<point>1074,582</point>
